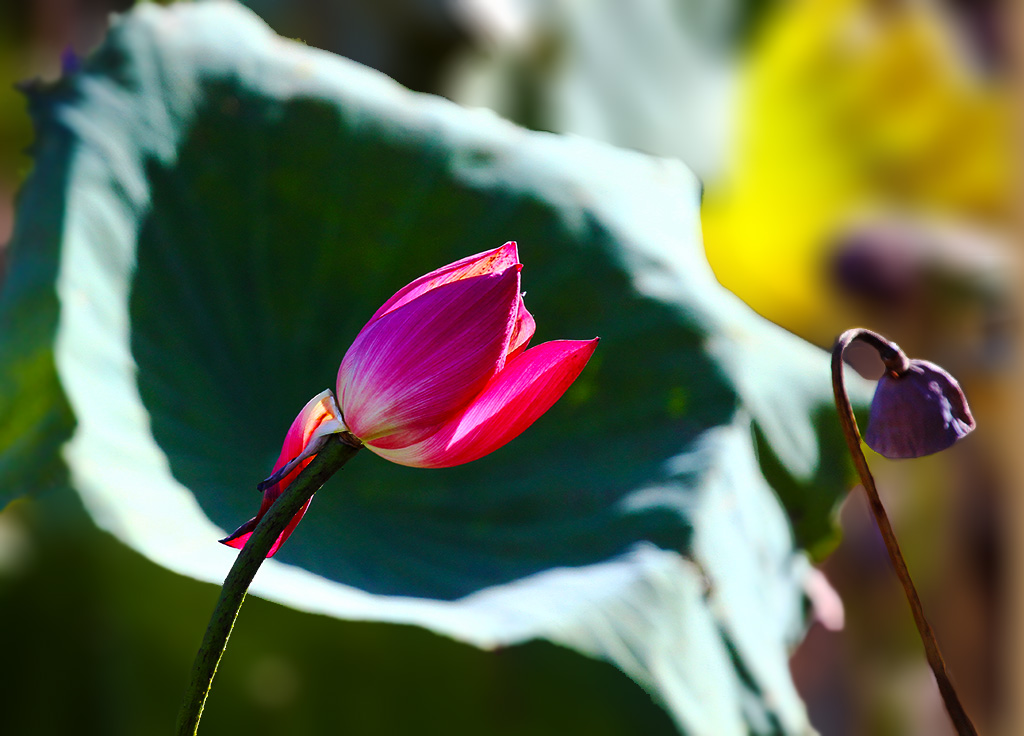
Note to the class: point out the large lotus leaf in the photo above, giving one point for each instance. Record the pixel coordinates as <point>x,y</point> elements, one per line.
<point>214,213</point>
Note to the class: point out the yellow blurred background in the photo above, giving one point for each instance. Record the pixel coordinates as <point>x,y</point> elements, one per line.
<point>870,184</point>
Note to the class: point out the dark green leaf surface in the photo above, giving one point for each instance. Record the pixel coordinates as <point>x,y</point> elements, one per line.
<point>214,214</point>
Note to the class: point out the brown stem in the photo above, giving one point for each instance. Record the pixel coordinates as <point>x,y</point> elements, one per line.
<point>895,361</point>
<point>337,450</point>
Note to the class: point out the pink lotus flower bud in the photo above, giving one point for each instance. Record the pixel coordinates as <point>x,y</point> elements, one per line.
<point>439,376</point>
<point>917,412</point>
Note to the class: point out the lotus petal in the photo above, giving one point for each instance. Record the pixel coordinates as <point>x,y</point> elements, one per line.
<point>416,366</point>
<point>318,417</point>
<point>513,401</point>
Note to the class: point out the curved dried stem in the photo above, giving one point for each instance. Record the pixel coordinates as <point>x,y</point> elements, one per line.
<point>897,362</point>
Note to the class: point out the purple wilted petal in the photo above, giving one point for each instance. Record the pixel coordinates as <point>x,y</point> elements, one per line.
<point>916,413</point>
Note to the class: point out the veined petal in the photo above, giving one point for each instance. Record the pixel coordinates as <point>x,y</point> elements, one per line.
<point>320,416</point>
<point>423,362</point>
<point>511,402</point>
<point>917,413</point>
<point>490,261</point>
<point>523,331</point>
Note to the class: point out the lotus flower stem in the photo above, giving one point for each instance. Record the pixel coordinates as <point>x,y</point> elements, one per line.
<point>337,451</point>
<point>895,360</point>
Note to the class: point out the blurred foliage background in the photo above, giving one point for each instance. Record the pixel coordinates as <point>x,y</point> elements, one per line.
<point>857,169</point>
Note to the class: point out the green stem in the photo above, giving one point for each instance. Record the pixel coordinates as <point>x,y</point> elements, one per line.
<point>336,452</point>
<point>895,361</point>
